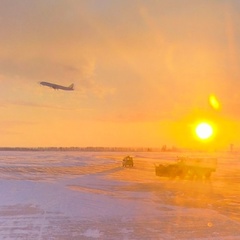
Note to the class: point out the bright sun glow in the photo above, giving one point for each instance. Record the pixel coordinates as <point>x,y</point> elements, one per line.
<point>204,130</point>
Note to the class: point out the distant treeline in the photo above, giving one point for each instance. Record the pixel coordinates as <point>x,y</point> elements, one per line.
<point>88,149</point>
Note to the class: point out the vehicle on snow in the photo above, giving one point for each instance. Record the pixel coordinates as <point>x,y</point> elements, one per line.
<point>188,168</point>
<point>127,162</point>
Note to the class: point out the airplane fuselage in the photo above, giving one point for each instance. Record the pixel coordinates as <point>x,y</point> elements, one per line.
<point>56,86</point>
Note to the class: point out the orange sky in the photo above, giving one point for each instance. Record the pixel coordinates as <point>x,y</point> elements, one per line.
<point>143,72</point>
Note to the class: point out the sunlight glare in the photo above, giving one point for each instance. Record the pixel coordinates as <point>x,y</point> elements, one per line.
<point>204,130</point>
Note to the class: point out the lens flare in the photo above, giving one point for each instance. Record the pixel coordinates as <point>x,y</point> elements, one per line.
<point>214,102</point>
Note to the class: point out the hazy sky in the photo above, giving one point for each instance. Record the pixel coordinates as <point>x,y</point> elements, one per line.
<point>143,72</point>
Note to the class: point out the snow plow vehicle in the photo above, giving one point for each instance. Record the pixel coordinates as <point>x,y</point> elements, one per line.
<point>127,162</point>
<point>188,168</point>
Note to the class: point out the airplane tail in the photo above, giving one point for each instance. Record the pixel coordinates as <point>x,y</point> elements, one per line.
<point>71,86</point>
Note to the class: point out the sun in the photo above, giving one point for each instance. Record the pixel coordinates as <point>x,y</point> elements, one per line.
<point>204,130</point>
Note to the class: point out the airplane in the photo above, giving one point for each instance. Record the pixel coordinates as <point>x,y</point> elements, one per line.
<point>56,86</point>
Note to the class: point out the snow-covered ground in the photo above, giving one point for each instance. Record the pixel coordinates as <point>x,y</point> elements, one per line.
<point>78,195</point>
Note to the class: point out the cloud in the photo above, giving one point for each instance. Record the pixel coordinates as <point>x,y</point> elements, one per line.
<point>11,127</point>
<point>142,57</point>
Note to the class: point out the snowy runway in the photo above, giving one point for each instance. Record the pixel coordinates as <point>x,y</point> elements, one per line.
<point>75,195</point>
